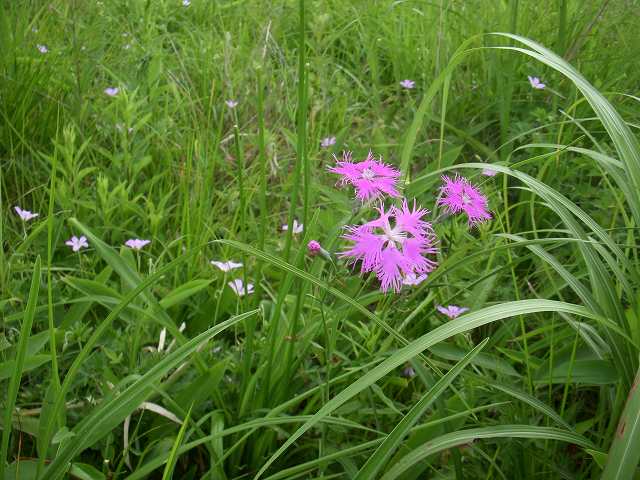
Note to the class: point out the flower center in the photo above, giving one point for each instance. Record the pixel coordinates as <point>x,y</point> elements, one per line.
<point>466,199</point>
<point>394,235</point>
<point>368,173</point>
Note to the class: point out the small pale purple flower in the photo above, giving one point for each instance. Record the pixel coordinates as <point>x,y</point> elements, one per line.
<point>186,3</point>
<point>487,172</point>
<point>536,83</point>
<point>452,311</point>
<point>112,91</point>
<point>297,227</point>
<point>408,84</point>
<point>459,195</point>
<point>226,266</point>
<point>77,244</point>
<point>393,246</point>
<point>314,248</point>
<point>25,215</point>
<point>371,178</point>
<point>413,280</point>
<point>327,142</point>
<point>42,48</point>
<point>136,243</point>
<point>238,288</point>
<point>231,103</point>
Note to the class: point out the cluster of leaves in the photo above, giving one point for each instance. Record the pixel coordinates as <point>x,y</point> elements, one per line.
<point>316,374</point>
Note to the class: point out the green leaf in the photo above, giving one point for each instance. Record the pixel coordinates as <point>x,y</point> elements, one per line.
<point>462,324</point>
<point>113,411</point>
<point>183,292</point>
<point>485,360</point>
<point>173,456</point>
<point>463,437</point>
<point>624,453</point>
<point>82,471</point>
<point>8,368</point>
<point>534,402</point>
<point>599,457</point>
<point>373,465</point>
<point>19,362</point>
<point>624,140</point>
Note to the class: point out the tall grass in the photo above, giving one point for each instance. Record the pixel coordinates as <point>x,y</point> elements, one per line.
<point>316,374</point>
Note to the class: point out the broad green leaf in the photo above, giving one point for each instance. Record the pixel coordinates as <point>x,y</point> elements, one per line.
<point>47,430</point>
<point>623,139</point>
<point>462,324</point>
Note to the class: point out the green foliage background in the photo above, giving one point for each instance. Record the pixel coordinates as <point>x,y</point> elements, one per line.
<point>316,374</point>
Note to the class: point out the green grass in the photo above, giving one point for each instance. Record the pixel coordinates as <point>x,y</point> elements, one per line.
<point>308,376</point>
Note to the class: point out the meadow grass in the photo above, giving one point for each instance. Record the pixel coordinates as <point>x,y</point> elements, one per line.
<point>201,127</point>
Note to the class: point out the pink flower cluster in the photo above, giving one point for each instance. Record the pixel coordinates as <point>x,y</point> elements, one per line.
<point>399,246</point>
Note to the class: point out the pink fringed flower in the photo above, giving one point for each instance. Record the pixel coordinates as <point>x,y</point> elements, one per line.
<point>371,178</point>
<point>393,246</point>
<point>459,195</point>
<point>452,311</point>
<point>314,247</point>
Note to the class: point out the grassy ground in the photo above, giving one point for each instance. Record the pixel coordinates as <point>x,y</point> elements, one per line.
<point>119,363</point>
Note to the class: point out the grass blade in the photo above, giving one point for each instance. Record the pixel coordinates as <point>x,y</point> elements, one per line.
<point>390,444</point>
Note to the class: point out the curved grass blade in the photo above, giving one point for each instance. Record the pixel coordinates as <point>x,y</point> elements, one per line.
<point>623,139</point>
<point>373,465</point>
<point>425,103</point>
<point>278,262</point>
<point>463,437</point>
